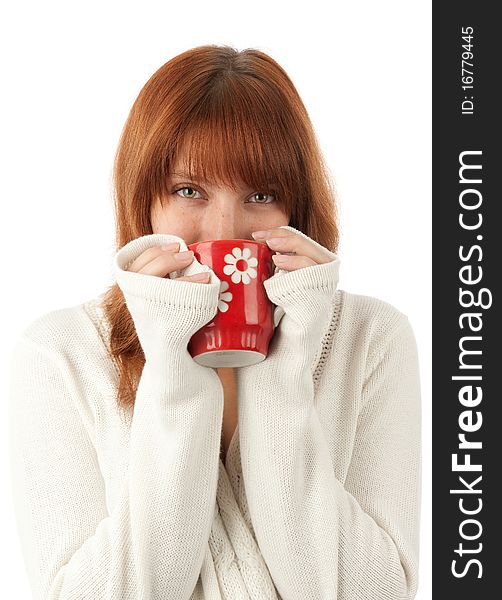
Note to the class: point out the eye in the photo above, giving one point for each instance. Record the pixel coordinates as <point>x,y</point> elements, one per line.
<point>261,198</point>
<point>190,191</point>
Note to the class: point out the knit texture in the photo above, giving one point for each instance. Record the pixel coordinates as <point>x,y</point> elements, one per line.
<point>319,495</point>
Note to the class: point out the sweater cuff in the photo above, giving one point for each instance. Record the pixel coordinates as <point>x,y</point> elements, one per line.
<point>167,290</point>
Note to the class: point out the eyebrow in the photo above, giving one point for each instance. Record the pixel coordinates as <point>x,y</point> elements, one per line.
<point>180,174</point>
<point>187,176</point>
<point>196,179</point>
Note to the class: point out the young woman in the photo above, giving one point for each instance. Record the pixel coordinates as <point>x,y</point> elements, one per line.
<point>138,473</point>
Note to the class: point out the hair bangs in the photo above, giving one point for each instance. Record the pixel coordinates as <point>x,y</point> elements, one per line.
<point>237,143</point>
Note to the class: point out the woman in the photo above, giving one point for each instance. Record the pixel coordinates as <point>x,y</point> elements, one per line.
<point>138,473</point>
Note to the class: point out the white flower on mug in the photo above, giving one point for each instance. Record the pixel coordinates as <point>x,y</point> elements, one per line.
<point>240,265</point>
<point>224,297</point>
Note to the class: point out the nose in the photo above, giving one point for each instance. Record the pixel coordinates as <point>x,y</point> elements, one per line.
<point>225,223</point>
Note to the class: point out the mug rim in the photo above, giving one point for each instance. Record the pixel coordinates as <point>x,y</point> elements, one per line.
<point>226,241</point>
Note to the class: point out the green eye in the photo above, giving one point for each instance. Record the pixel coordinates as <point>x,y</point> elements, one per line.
<point>261,198</point>
<point>190,193</point>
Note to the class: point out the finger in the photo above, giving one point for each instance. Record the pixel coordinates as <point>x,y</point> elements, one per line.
<point>292,263</point>
<point>150,254</point>
<point>196,277</point>
<point>287,242</point>
<point>166,263</point>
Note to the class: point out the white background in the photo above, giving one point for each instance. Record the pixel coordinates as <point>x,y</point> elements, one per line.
<point>70,75</point>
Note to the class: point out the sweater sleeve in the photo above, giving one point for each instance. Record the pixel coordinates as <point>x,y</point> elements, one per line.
<point>320,540</point>
<point>152,544</point>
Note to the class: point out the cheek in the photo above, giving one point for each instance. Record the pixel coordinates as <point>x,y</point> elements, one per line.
<point>273,219</point>
<point>156,214</point>
<point>161,221</point>
<point>162,216</point>
<point>173,220</point>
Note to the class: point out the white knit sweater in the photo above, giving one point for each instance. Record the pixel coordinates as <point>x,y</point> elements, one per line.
<point>320,494</point>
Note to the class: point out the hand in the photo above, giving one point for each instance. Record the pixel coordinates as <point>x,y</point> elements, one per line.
<point>294,251</point>
<point>304,296</point>
<point>160,262</point>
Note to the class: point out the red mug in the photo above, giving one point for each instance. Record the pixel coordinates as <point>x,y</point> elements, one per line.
<point>240,332</point>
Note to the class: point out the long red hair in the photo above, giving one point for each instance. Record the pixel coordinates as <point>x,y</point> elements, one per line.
<point>241,119</point>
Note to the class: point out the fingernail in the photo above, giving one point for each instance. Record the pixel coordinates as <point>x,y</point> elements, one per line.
<point>200,276</point>
<point>276,241</point>
<point>280,259</point>
<point>184,256</point>
<point>171,246</point>
<point>259,234</point>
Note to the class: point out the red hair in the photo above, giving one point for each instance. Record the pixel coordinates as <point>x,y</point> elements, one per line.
<point>239,118</point>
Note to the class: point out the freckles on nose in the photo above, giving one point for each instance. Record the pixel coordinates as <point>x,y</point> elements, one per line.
<point>223,226</point>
